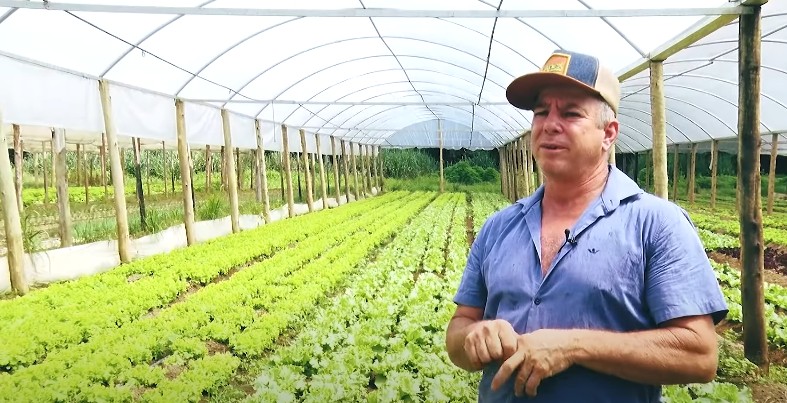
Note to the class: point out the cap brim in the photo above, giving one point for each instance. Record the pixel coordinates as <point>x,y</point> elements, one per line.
<point>523,91</point>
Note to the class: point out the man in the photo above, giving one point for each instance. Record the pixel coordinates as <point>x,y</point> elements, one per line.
<point>589,290</point>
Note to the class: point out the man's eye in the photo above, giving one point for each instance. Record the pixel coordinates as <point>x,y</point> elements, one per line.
<point>539,113</point>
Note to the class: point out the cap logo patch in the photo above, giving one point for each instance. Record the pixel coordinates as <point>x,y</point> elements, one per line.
<point>557,63</point>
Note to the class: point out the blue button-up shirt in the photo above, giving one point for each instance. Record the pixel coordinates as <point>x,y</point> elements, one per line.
<point>635,261</point>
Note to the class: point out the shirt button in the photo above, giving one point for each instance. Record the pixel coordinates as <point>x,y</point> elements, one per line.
<point>537,301</point>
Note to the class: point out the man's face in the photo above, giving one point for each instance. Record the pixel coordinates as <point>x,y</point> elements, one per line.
<point>568,137</point>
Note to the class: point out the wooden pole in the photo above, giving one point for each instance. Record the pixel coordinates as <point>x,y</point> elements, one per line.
<point>373,165</point>
<point>382,168</point>
<point>362,169</point>
<point>612,157</point>
<point>185,172</point>
<point>307,173</point>
<point>367,160</point>
<point>287,172</point>
<point>502,169</point>
<point>337,189</point>
<point>714,164</point>
<point>692,173</point>
<point>77,165</point>
<point>208,167</point>
<point>43,168</point>
<point>356,192</point>
<point>165,169</point>
<point>755,344</point>
<point>523,152</point>
<point>136,147</point>
<point>440,137</point>
<point>323,176</point>
<point>103,153</point>
<point>263,174</point>
<point>64,208</point>
<point>18,168</point>
<point>345,163</point>
<point>11,219</point>
<point>232,185</point>
<point>237,171</point>
<point>675,173</point>
<point>772,171</point>
<point>116,173</point>
<point>658,114</point>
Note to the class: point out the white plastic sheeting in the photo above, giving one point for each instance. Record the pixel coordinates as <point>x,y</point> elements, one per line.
<point>383,79</point>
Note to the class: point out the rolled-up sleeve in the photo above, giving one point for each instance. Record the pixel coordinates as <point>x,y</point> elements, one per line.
<point>679,278</point>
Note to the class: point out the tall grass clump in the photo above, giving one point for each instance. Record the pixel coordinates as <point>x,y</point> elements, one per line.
<point>408,163</point>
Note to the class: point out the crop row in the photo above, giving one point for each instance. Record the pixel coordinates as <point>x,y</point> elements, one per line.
<point>775,297</point>
<point>483,205</point>
<point>156,357</point>
<point>72,312</point>
<point>714,223</point>
<point>382,339</point>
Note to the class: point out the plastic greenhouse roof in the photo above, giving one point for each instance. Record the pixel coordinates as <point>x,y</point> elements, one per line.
<point>367,71</point>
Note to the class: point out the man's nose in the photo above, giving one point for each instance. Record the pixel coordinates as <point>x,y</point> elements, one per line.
<point>552,121</point>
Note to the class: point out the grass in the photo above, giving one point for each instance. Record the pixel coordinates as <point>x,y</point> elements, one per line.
<point>432,183</point>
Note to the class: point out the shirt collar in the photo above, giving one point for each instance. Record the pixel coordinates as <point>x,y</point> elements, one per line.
<point>619,187</point>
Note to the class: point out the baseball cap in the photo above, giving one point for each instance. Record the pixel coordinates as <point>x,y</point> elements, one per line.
<point>566,68</point>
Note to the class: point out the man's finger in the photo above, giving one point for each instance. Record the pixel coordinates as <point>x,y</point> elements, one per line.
<point>532,382</point>
<point>508,341</point>
<point>494,347</point>
<point>525,371</point>
<point>472,355</point>
<point>508,368</point>
<point>480,349</point>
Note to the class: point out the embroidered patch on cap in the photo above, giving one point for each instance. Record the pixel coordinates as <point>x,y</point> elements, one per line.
<point>557,63</point>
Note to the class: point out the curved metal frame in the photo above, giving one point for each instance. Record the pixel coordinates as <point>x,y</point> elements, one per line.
<point>376,71</point>
<point>368,87</point>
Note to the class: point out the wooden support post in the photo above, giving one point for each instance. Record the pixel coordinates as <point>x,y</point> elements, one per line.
<point>345,163</point>
<point>287,171</point>
<point>362,163</point>
<point>63,206</point>
<point>43,168</point>
<point>658,114</point>
<point>514,170</point>
<point>714,165</point>
<point>19,165</point>
<point>648,166</point>
<point>165,168</point>
<point>380,160</point>
<point>11,219</point>
<point>523,153</point>
<point>612,157</point>
<point>367,160</point>
<point>185,172</point>
<point>77,168</point>
<point>442,163</point>
<point>337,188</point>
<point>675,173</point>
<point>263,174</point>
<point>373,168</point>
<point>116,173</point>
<point>772,171</point>
<point>692,173</point>
<point>356,192</point>
<point>232,185</point>
<point>755,344</point>
<point>136,147</point>
<point>237,170</point>
<point>307,173</point>
<point>208,167</point>
<point>103,153</point>
<point>323,176</point>
<point>636,168</point>
<point>502,169</point>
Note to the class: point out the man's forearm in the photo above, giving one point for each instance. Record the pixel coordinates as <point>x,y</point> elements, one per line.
<point>458,329</point>
<point>660,356</point>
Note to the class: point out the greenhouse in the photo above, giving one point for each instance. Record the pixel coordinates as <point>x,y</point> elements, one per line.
<point>235,200</point>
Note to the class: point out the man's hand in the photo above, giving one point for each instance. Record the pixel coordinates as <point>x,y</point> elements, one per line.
<point>489,341</point>
<point>538,355</point>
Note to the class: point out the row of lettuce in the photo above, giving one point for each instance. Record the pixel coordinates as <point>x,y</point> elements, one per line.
<point>186,320</point>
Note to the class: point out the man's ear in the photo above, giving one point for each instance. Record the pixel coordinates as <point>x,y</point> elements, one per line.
<point>610,134</point>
